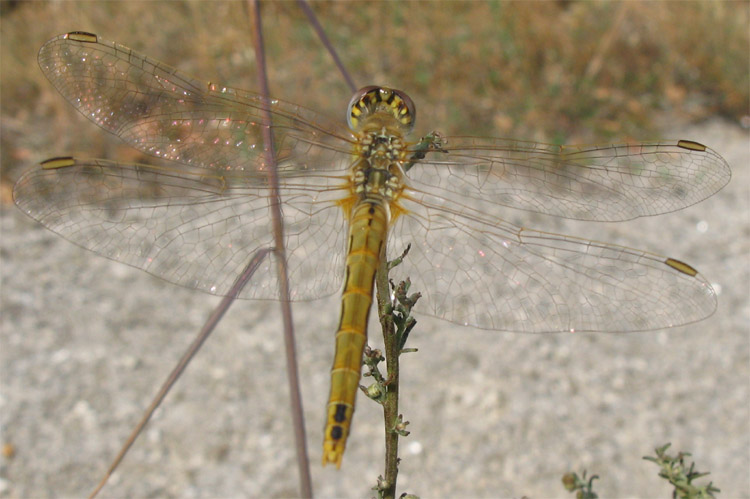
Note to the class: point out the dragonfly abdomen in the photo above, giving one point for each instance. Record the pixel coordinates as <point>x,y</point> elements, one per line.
<point>367,233</point>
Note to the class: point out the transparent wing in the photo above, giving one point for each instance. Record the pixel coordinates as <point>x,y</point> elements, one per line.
<point>191,226</point>
<point>475,269</point>
<point>598,182</point>
<point>163,113</point>
<point>198,223</point>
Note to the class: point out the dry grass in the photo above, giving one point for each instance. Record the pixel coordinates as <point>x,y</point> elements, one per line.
<point>560,71</point>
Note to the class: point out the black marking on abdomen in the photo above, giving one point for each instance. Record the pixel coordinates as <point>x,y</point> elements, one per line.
<point>336,432</point>
<point>340,415</point>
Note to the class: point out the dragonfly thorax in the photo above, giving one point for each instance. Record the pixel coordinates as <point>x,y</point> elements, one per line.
<point>381,180</point>
<point>382,145</point>
<point>381,151</point>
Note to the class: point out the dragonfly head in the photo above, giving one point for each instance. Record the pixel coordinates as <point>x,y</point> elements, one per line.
<point>387,106</point>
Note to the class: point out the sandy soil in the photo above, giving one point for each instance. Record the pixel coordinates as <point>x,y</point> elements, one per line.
<point>86,341</point>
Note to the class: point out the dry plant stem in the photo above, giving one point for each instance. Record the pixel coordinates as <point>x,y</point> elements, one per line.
<point>596,62</point>
<point>326,42</point>
<point>390,399</point>
<point>303,464</point>
<point>207,329</point>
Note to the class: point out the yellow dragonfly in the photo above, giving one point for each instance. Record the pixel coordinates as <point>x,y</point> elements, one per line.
<point>350,192</point>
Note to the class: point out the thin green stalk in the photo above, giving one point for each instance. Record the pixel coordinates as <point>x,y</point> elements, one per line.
<point>390,396</point>
<point>397,323</point>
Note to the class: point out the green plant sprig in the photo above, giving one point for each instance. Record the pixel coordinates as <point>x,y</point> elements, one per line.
<point>674,470</point>
<point>583,488</point>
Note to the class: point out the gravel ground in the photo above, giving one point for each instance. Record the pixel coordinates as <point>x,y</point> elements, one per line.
<point>85,341</point>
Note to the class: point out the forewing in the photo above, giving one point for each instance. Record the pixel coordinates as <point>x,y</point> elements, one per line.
<point>612,182</point>
<point>163,113</point>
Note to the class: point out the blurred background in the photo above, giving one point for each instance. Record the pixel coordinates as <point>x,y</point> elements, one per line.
<point>501,415</point>
<point>562,72</point>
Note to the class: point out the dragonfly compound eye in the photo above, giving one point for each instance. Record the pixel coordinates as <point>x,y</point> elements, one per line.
<point>373,100</point>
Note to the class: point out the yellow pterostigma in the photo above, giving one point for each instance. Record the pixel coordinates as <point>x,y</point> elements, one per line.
<point>354,194</point>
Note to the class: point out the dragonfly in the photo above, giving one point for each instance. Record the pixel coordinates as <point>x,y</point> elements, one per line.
<point>354,190</point>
